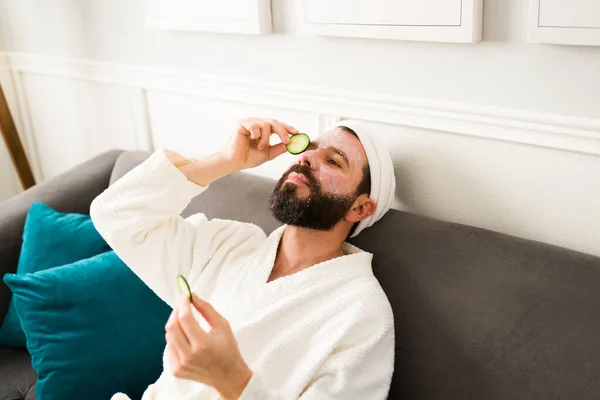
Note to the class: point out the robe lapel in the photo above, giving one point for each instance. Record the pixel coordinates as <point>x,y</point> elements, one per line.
<point>259,267</point>
<point>252,290</point>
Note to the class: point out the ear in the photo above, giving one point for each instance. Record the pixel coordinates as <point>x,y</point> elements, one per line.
<point>363,208</point>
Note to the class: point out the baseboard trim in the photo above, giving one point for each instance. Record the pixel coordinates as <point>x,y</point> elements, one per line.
<point>564,132</point>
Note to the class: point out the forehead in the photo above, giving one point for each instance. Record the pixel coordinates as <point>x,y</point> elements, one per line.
<point>346,142</point>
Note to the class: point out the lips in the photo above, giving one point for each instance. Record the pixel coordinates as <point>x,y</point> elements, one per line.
<point>298,178</point>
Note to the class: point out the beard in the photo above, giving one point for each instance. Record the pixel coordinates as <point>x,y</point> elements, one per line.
<point>319,211</point>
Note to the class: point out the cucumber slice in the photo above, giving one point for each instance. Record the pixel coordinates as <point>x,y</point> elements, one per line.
<point>184,288</point>
<point>298,143</point>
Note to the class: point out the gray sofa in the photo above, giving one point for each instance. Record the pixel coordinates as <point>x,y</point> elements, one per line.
<point>478,314</point>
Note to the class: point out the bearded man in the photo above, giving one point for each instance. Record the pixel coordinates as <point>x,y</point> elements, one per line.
<point>297,314</point>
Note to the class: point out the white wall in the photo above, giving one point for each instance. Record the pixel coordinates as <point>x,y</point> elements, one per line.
<point>503,70</point>
<point>9,183</point>
<point>501,134</point>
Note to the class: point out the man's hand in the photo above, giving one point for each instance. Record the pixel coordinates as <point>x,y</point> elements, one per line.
<point>250,147</point>
<point>213,357</point>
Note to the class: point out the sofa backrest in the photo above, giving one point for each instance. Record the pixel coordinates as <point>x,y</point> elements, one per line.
<point>478,314</point>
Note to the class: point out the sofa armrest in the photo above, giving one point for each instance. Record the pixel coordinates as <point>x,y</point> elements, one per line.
<point>72,191</point>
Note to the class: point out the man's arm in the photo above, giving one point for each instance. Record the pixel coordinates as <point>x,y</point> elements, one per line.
<point>204,171</point>
<point>359,365</point>
<point>139,215</point>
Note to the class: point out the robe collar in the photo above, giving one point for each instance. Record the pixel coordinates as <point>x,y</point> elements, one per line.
<point>354,262</point>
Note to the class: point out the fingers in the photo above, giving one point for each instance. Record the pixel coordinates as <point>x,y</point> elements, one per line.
<point>280,129</point>
<point>175,336</point>
<point>255,132</point>
<point>266,136</point>
<point>173,357</point>
<point>290,129</point>
<point>277,150</point>
<point>260,131</point>
<point>189,326</point>
<point>177,364</point>
<point>249,128</point>
<point>211,315</point>
<point>267,130</point>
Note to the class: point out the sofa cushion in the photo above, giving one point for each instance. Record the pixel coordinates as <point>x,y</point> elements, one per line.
<point>71,191</point>
<point>93,329</point>
<point>478,314</point>
<point>17,377</point>
<point>50,238</point>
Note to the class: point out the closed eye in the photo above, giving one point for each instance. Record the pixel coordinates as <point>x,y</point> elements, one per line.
<point>333,162</point>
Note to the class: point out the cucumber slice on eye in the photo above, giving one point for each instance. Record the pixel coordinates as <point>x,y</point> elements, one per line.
<point>184,288</point>
<point>298,143</point>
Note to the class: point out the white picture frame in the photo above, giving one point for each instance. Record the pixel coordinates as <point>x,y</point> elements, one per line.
<point>252,17</point>
<point>567,33</point>
<point>461,21</point>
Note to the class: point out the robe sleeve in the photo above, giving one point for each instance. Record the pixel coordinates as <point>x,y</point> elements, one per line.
<point>139,217</point>
<point>358,369</point>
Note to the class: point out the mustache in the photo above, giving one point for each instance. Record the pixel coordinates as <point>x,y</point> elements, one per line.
<point>303,170</point>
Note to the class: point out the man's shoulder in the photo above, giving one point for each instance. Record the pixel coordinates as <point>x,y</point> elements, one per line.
<point>368,300</point>
<point>365,317</point>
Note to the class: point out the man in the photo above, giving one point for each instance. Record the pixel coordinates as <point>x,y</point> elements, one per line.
<point>295,315</point>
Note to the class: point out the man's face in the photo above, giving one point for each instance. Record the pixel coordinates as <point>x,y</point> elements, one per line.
<point>319,190</point>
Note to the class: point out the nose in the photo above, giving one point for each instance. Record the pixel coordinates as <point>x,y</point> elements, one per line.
<point>307,159</point>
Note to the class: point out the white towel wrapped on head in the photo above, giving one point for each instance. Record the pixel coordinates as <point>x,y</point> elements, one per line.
<point>383,180</point>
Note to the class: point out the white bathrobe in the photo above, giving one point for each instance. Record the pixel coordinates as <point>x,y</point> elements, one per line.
<point>325,332</point>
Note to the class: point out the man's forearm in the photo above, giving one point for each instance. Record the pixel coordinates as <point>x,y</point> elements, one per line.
<point>203,171</point>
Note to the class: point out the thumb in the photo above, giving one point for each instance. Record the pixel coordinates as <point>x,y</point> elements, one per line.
<point>211,315</point>
<point>277,150</point>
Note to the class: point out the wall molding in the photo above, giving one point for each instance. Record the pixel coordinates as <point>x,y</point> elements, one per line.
<point>22,117</point>
<point>564,132</point>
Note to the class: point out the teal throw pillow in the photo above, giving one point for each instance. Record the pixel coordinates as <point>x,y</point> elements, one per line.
<point>50,239</point>
<point>93,329</point>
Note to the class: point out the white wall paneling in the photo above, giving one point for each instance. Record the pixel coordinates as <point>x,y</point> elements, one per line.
<point>199,125</point>
<point>22,117</point>
<point>232,16</point>
<point>74,120</point>
<point>575,22</point>
<point>527,191</point>
<point>426,20</point>
<point>141,119</point>
<point>9,181</point>
<point>524,173</point>
<point>10,184</point>
<point>563,132</point>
